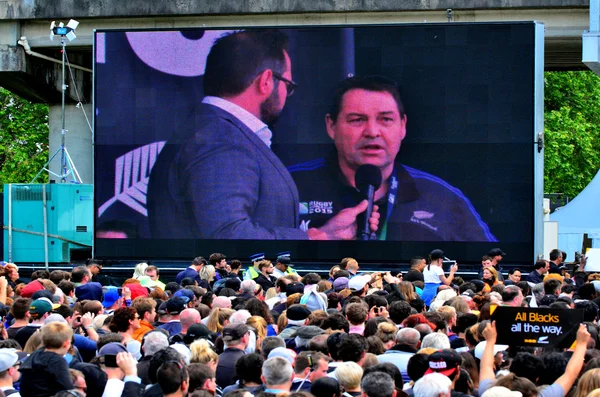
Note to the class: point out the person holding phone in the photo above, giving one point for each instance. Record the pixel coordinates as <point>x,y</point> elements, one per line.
<point>434,276</point>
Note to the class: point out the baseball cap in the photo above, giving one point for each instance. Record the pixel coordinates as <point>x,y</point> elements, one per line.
<point>8,358</point>
<point>162,309</point>
<point>284,353</point>
<point>496,251</point>
<point>185,293</point>
<point>30,288</point>
<point>111,295</point>
<point>294,288</point>
<point>340,283</point>
<point>112,349</point>
<point>297,312</point>
<point>436,254</point>
<point>444,362</point>
<point>357,283</point>
<point>39,307</point>
<point>176,305</point>
<point>197,331</point>
<point>234,332</point>
<point>90,291</point>
<point>308,332</point>
<point>501,391</point>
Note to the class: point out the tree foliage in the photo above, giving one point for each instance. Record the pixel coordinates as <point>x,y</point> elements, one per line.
<point>572,131</point>
<point>23,139</point>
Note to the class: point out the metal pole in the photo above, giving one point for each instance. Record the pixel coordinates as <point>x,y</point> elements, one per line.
<point>63,160</point>
<point>45,211</point>
<point>10,223</point>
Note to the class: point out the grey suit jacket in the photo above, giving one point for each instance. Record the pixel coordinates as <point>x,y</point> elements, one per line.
<point>220,181</point>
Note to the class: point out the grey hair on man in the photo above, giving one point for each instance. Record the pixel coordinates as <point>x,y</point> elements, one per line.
<point>277,371</point>
<point>378,384</point>
<point>437,340</point>
<point>408,336</point>
<point>432,385</point>
<point>247,287</point>
<point>154,342</point>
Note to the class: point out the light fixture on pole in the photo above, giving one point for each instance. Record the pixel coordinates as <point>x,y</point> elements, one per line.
<point>67,167</point>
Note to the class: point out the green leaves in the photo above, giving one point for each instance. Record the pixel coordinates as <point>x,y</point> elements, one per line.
<point>23,139</point>
<point>572,131</point>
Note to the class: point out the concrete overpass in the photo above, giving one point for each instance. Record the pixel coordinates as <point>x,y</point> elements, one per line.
<point>39,80</point>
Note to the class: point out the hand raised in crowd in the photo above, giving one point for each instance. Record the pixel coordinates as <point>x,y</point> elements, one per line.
<point>489,333</point>
<point>454,268</point>
<point>343,226</point>
<point>3,282</point>
<point>76,320</point>
<point>378,311</point>
<point>87,319</point>
<point>583,336</point>
<point>127,364</point>
<point>126,293</point>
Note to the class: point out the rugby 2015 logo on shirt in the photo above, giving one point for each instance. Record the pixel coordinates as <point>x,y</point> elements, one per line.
<point>316,207</point>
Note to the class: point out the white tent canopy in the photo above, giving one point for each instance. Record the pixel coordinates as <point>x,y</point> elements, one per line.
<point>580,216</point>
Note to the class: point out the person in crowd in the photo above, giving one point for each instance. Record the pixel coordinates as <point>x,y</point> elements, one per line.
<point>45,372</point>
<point>308,367</point>
<point>514,276</point>
<point>154,273</point>
<point>173,379</point>
<point>540,268</point>
<point>39,310</point>
<point>434,275</point>
<point>236,338</point>
<point>417,265</point>
<point>277,376</point>
<point>9,372</point>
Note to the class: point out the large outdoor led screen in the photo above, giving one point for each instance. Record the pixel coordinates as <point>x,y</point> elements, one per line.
<point>179,173</point>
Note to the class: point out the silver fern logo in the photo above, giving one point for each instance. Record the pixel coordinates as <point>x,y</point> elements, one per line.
<point>132,173</point>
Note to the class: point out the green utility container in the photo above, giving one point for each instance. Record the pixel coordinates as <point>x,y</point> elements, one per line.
<point>69,219</point>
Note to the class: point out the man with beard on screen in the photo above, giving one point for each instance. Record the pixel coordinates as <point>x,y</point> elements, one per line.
<point>367,124</point>
<point>221,180</point>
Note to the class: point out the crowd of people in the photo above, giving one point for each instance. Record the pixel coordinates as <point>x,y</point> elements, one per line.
<point>266,331</point>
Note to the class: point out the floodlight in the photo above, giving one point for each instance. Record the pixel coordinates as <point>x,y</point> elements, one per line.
<point>64,31</point>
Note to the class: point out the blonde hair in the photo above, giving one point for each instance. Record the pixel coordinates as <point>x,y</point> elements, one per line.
<point>33,343</point>
<point>427,350</point>
<point>588,382</point>
<point>54,335</point>
<point>217,318</point>
<point>386,332</point>
<point>259,324</point>
<point>460,305</point>
<point>553,276</point>
<point>349,375</point>
<point>202,353</point>
<point>493,271</point>
<point>140,270</point>
<point>271,293</point>
<point>448,312</point>
<point>207,272</point>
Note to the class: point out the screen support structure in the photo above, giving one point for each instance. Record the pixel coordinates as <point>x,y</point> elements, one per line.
<point>68,171</point>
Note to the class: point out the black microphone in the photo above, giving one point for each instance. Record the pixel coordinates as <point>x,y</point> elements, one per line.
<point>367,180</point>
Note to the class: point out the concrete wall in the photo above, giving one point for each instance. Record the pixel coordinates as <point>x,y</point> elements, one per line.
<point>44,9</point>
